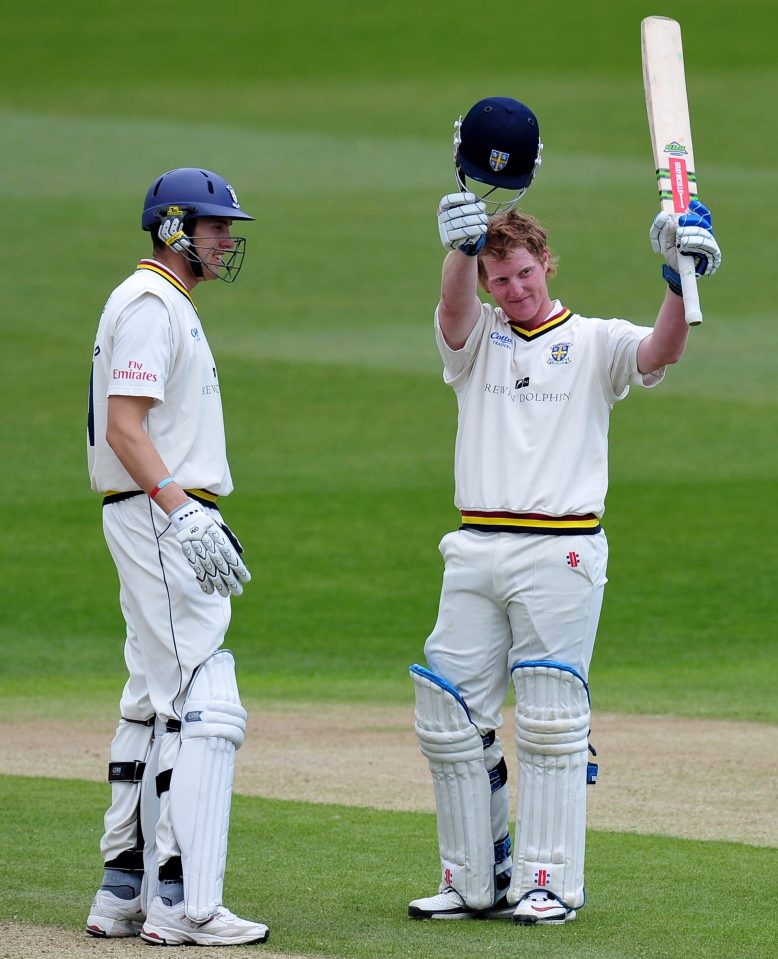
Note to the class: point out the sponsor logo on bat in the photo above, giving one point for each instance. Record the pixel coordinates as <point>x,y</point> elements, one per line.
<point>675,149</point>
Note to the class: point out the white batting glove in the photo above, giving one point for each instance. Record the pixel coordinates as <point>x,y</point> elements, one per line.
<point>462,223</point>
<point>172,234</point>
<point>690,233</point>
<point>213,554</point>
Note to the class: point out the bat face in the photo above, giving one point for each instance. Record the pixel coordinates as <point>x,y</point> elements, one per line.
<point>668,112</point>
<point>664,82</point>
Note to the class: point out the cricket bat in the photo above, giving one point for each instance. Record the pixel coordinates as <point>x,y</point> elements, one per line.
<point>664,82</point>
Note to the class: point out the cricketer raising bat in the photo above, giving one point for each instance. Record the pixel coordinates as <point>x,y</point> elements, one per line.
<point>664,82</point>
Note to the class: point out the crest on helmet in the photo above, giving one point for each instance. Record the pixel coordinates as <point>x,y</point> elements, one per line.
<point>498,160</point>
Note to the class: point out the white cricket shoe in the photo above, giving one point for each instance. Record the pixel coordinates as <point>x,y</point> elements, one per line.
<point>170,926</point>
<point>448,904</point>
<point>113,918</point>
<point>540,907</point>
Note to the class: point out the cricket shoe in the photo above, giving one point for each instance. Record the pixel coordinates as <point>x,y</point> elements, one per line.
<point>113,918</point>
<point>540,907</point>
<point>170,926</point>
<point>448,904</point>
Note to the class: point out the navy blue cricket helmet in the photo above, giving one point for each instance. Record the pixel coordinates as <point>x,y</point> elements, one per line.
<point>498,143</point>
<point>194,192</point>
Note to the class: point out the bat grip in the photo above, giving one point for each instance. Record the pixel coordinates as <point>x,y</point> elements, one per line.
<point>691,298</point>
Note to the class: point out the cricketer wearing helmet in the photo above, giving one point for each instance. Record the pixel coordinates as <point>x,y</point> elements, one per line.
<point>524,574</point>
<point>157,455</point>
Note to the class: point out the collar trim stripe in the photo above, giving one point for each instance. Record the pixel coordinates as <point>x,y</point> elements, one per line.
<point>166,274</point>
<point>550,324</point>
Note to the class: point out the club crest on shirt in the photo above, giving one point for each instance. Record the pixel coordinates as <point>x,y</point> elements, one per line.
<point>559,354</point>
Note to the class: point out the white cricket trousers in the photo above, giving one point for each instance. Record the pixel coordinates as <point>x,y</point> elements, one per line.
<point>512,597</point>
<point>172,627</point>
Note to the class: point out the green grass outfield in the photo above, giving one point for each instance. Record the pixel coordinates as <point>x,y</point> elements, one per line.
<point>333,120</point>
<point>335,882</point>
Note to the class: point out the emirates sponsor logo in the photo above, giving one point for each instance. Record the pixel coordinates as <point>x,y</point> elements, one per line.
<point>134,371</point>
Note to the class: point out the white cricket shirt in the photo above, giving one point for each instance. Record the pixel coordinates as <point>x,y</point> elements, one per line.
<point>150,342</point>
<point>534,408</point>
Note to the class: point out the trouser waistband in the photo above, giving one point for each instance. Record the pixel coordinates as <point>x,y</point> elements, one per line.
<point>505,521</point>
<point>203,496</point>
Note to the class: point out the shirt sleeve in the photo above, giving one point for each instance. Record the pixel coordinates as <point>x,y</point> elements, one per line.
<point>623,339</point>
<point>142,349</point>
<point>458,363</point>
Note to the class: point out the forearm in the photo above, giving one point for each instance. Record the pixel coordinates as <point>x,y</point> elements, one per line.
<point>459,307</point>
<point>136,452</point>
<point>666,344</point>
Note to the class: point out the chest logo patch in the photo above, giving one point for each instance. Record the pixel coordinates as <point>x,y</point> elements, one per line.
<point>559,354</point>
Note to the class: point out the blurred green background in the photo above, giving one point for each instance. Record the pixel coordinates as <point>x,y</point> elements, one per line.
<point>333,121</point>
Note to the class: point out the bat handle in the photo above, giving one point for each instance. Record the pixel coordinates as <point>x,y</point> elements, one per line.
<point>691,298</point>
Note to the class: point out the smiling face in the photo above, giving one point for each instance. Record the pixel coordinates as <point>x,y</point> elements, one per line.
<point>212,241</point>
<point>518,285</point>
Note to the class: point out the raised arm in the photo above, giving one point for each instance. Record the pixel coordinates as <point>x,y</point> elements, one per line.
<point>668,341</point>
<point>462,224</point>
<point>690,234</point>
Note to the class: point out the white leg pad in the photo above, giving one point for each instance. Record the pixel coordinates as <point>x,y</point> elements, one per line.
<point>454,749</point>
<point>213,727</point>
<point>552,727</point>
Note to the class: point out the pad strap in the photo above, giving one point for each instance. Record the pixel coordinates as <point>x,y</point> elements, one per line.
<point>131,772</point>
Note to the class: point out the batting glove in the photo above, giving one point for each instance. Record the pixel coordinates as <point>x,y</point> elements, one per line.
<point>211,549</point>
<point>172,234</point>
<point>462,223</point>
<point>691,233</point>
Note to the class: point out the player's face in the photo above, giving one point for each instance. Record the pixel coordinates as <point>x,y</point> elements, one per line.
<point>519,286</point>
<point>212,240</point>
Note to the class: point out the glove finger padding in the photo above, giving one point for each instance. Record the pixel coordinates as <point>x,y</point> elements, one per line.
<point>662,235</point>
<point>226,557</point>
<point>211,554</point>
<point>694,237</point>
<point>462,222</point>
<point>691,233</point>
<point>698,214</point>
<point>197,558</point>
<point>171,231</point>
<point>457,199</point>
